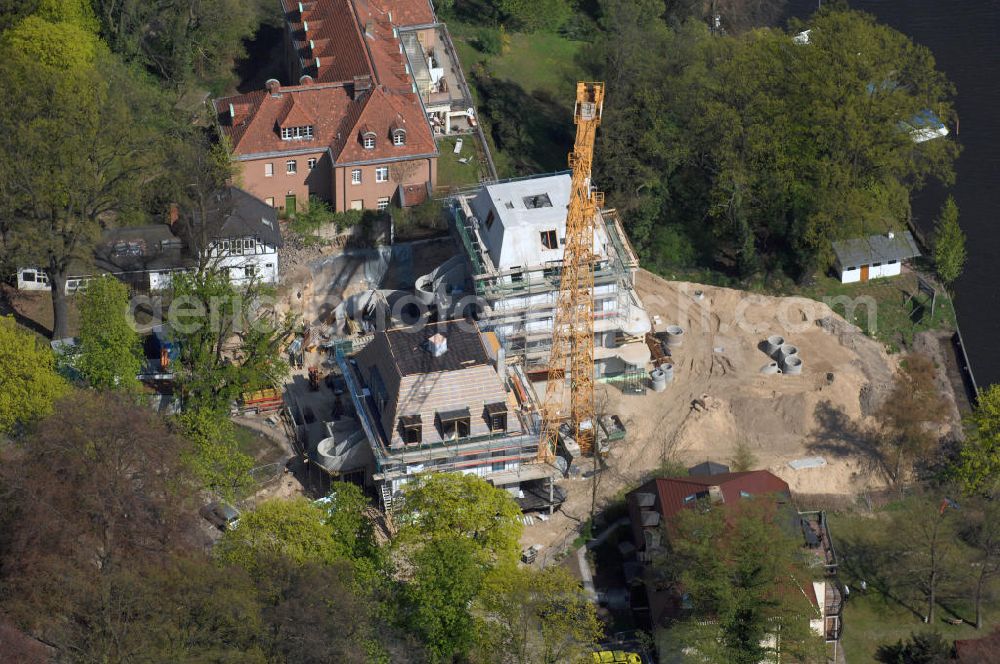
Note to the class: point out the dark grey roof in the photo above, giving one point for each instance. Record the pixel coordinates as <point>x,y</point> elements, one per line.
<point>140,248</point>
<point>246,216</point>
<point>409,351</point>
<point>708,468</point>
<point>876,249</point>
<point>249,216</point>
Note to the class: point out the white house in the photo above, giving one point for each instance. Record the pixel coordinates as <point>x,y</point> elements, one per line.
<point>242,237</point>
<point>873,257</point>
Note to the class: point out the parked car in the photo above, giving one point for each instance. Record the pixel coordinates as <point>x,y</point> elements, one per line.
<point>221,515</point>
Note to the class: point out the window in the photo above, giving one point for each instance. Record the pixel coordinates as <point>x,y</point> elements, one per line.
<point>28,276</point>
<point>368,141</point>
<point>250,271</point>
<point>291,167</point>
<point>690,498</point>
<point>383,203</point>
<point>250,245</point>
<point>268,170</point>
<point>893,262</point>
<point>356,176</point>
<point>744,494</point>
<point>269,200</point>
<point>516,274</point>
<point>537,201</point>
<point>311,163</point>
<point>399,137</point>
<point>382,174</point>
<point>550,240</point>
<point>238,247</point>
<point>357,205</point>
<point>454,424</point>
<point>496,416</point>
<point>304,133</point>
<point>410,429</point>
<point>876,264</point>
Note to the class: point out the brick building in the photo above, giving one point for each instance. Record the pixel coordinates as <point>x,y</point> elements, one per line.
<point>350,127</point>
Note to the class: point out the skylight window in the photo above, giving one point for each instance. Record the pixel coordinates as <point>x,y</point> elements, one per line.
<point>537,201</point>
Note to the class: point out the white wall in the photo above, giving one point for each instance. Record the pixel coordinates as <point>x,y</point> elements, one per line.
<point>874,272</point>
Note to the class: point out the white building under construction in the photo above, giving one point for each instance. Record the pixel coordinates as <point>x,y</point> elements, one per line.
<point>512,236</point>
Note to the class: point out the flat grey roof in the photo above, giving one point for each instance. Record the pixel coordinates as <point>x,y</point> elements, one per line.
<point>876,249</point>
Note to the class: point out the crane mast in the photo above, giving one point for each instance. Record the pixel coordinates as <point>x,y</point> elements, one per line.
<point>573,321</point>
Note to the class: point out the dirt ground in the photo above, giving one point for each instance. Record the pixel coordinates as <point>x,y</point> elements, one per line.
<point>779,417</point>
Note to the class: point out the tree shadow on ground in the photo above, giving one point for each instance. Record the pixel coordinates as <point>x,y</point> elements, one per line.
<point>533,130</point>
<point>870,560</point>
<point>8,307</point>
<point>838,435</point>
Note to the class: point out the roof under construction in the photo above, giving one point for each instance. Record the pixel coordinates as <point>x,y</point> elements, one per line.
<point>411,354</point>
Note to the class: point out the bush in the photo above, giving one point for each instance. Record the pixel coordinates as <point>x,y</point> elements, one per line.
<point>488,41</point>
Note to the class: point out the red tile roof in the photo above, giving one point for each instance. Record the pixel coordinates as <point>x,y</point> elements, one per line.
<point>404,12</point>
<point>336,40</point>
<point>672,491</point>
<point>259,114</point>
<point>383,110</point>
<point>339,122</point>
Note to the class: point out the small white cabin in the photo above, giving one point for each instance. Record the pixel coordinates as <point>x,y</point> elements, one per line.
<point>873,257</point>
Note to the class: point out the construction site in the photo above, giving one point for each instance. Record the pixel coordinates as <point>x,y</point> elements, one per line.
<point>530,348</point>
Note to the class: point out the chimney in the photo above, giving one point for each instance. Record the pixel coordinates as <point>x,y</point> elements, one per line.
<point>370,28</point>
<point>173,214</point>
<point>437,345</point>
<point>273,86</point>
<point>891,235</point>
<point>362,84</point>
<point>715,494</point>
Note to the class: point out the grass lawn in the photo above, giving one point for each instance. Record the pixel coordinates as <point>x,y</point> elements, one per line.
<point>453,173</point>
<point>890,315</point>
<point>542,69</point>
<point>873,619</point>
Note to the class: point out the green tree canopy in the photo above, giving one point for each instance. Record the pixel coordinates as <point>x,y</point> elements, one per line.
<point>757,151</point>
<point>528,616</point>
<point>86,135</point>
<point>110,352</point>
<point>215,456</point>
<point>978,466</point>
<point>949,243</point>
<point>57,45</point>
<point>229,342</point>
<point>29,383</point>
<point>442,505</point>
<point>744,577</point>
<point>292,529</point>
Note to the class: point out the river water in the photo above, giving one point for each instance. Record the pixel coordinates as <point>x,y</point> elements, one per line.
<point>964,36</point>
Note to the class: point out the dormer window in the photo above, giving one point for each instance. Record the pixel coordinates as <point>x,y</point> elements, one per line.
<point>399,137</point>
<point>368,141</point>
<point>304,133</point>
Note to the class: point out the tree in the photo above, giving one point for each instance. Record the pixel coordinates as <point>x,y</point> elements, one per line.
<point>745,580</point>
<point>926,537</point>
<point>758,151</point>
<point>29,383</point>
<point>909,417</point>
<point>981,532</point>
<point>923,648</point>
<point>229,341</point>
<point>447,575</point>
<point>532,15</point>
<point>314,614</point>
<point>978,465</point>
<point>743,457</point>
<point>215,456</point>
<point>446,505</point>
<point>526,616</point>
<point>84,130</point>
<point>110,353</point>
<point>348,516</point>
<point>291,529</point>
<point>949,243</point>
<point>181,41</point>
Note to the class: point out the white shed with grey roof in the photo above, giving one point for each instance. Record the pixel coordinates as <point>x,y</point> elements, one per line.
<point>873,257</point>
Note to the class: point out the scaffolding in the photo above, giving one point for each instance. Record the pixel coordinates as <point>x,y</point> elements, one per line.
<point>520,303</point>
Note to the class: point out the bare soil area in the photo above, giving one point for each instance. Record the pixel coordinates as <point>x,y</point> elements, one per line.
<point>719,398</point>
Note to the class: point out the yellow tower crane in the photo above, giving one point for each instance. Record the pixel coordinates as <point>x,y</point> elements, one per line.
<point>573,324</point>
